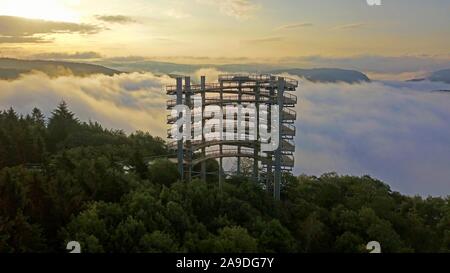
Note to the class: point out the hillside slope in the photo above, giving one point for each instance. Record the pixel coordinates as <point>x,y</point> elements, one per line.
<point>316,75</point>
<point>440,76</point>
<point>327,75</point>
<point>13,68</point>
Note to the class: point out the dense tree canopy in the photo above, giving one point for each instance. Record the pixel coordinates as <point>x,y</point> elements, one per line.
<point>63,180</point>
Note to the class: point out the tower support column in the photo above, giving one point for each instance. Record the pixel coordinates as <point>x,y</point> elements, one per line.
<point>221,174</point>
<point>180,148</point>
<point>257,139</point>
<point>188,141</point>
<point>203,164</point>
<point>278,152</point>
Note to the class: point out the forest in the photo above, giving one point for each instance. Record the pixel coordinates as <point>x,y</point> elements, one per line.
<point>64,180</point>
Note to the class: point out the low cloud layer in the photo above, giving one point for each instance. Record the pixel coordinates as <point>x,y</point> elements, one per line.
<point>126,101</point>
<point>395,131</point>
<point>378,67</point>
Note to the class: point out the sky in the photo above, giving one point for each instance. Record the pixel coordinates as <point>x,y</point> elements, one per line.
<point>241,30</point>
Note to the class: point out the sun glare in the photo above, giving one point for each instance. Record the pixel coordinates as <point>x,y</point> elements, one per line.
<point>51,10</point>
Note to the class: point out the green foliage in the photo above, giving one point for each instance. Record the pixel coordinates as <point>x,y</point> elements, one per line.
<point>276,238</point>
<point>64,180</point>
<point>349,242</point>
<point>234,240</point>
<point>61,125</point>
<point>163,172</point>
<point>158,242</point>
<point>19,235</point>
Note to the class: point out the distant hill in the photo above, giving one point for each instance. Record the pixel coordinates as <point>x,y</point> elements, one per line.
<point>316,75</point>
<point>440,76</point>
<point>437,76</point>
<point>332,75</point>
<point>177,68</point>
<point>13,68</point>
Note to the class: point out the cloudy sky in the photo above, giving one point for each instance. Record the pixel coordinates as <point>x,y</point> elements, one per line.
<point>344,32</point>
